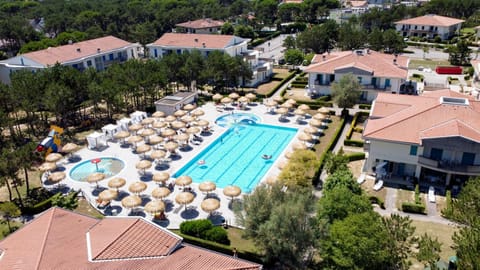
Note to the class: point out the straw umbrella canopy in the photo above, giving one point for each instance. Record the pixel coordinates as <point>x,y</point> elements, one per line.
<point>299,112</point>
<point>171,146</point>
<point>184,198</point>
<point>207,186</point>
<point>147,132</point>
<point>135,139</point>
<point>243,99</point>
<point>143,148</point>
<point>291,101</point>
<point>143,165</point>
<point>154,207</point>
<point>182,137</point>
<point>289,154</point>
<point>108,195</point>
<point>180,113</point>
<point>202,123</point>
<point>56,177</point>
<point>121,135</point>
<point>310,130</point>
<point>160,192</point>
<point>131,201</point>
<point>158,114</point>
<point>157,154</point>
<point>53,157</point>
<point>95,177</point>
<point>304,107</point>
<point>271,103</point>
<point>226,100</point>
<point>137,187</point>
<point>304,137</point>
<point>281,110</point>
<point>187,118</point>
<point>117,183</point>
<point>70,147</point>
<point>189,107</point>
<point>159,124</point>
<point>161,177</point>
<point>177,124</point>
<point>319,116</point>
<point>148,121</point>
<point>251,96</point>
<point>286,105</point>
<point>183,180</point>
<point>315,123</point>
<point>198,112</point>
<point>232,191</point>
<point>170,118</point>
<point>271,180</point>
<point>282,164</point>
<point>299,146</point>
<point>217,97</point>
<point>323,110</point>
<point>278,98</point>
<point>155,140</point>
<point>168,132</point>
<point>47,166</point>
<point>210,205</point>
<point>135,127</point>
<point>234,96</point>
<point>193,130</point>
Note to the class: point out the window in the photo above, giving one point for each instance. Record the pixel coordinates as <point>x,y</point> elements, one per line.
<point>359,79</point>
<point>468,158</point>
<point>413,150</point>
<point>89,63</point>
<point>104,57</point>
<point>110,56</point>
<point>179,51</point>
<point>155,53</point>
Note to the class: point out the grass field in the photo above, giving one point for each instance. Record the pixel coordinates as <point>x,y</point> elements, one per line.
<point>432,64</point>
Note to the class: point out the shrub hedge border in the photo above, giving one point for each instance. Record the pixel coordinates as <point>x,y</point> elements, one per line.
<point>282,82</point>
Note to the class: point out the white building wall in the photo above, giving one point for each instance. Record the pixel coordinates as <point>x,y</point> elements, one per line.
<point>395,152</point>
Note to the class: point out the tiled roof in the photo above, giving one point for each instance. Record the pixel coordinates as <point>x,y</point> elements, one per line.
<point>70,52</point>
<point>180,40</point>
<point>410,119</point>
<point>381,64</point>
<point>431,19</point>
<point>201,23</point>
<point>60,239</point>
<point>358,3</point>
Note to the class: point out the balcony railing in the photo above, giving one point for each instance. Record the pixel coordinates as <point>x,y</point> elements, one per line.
<point>317,82</point>
<point>449,165</point>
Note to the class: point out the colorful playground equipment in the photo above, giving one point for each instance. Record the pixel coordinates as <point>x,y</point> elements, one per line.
<point>52,143</point>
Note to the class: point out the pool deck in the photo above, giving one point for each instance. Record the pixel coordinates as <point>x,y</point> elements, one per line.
<point>175,213</point>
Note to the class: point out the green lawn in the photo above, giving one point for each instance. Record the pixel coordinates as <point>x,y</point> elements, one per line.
<point>4,227</point>
<point>432,64</point>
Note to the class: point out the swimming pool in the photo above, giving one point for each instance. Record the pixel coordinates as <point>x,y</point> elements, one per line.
<point>228,120</point>
<point>108,165</point>
<point>235,158</point>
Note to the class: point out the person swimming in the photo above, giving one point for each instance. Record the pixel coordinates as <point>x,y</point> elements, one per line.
<point>201,162</point>
<point>265,156</point>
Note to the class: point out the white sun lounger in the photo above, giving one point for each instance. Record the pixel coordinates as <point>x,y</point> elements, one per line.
<point>361,179</point>
<point>378,185</point>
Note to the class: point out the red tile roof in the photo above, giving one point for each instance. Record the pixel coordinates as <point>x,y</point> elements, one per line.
<point>358,3</point>
<point>410,119</point>
<point>180,40</point>
<point>201,24</point>
<point>431,19</point>
<point>67,53</point>
<point>60,239</point>
<point>380,64</point>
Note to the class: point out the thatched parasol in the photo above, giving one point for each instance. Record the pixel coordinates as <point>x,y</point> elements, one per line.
<point>286,105</point>
<point>131,201</point>
<point>180,113</point>
<point>168,132</point>
<point>148,121</point>
<point>291,101</point>
<point>289,154</point>
<point>187,118</point>
<point>160,192</point>
<point>135,127</point>
<point>184,198</point>
<point>143,148</point>
<point>53,157</point>
<point>243,99</point>
<point>189,107</point>
<point>234,95</point>
<point>69,147</point>
<point>155,140</point>
<point>147,132</point>
<point>157,154</point>
<point>170,118</point>
<point>304,107</point>
<point>121,135</point>
<point>116,182</point>
<point>271,180</point>
<point>299,112</point>
<point>95,177</point>
<point>310,130</point>
<point>137,187</point>
<point>143,165</point>
<point>56,177</point>
<point>271,103</point>
<point>193,130</point>
<point>207,186</point>
<point>217,97</point>
<point>251,96</point>
<point>183,180</point>
<point>299,146</point>
<point>232,191</point>
<point>161,177</point>
<point>324,110</point>
<point>135,139</point>
<point>319,116</point>
<point>171,146</point>
<point>281,110</point>
<point>177,124</point>
<point>315,123</point>
<point>108,195</point>
<point>202,123</point>
<point>47,166</point>
<point>304,137</point>
<point>210,205</point>
<point>158,114</point>
<point>198,112</point>
<point>159,124</point>
<point>226,100</point>
<point>182,137</point>
<point>154,207</point>
<point>278,98</point>
<point>281,165</point>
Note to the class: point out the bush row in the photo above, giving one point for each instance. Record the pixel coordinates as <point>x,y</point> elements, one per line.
<point>261,40</point>
<point>316,104</point>
<point>417,194</point>
<point>413,208</point>
<point>282,82</point>
<point>376,200</point>
<point>39,207</point>
<point>355,143</point>
<point>352,126</point>
<point>447,212</point>
<point>298,85</point>
<point>204,229</point>
<point>355,156</point>
<point>365,106</point>
<point>358,129</point>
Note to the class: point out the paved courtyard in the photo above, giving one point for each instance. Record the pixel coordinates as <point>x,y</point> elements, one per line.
<point>175,213</point>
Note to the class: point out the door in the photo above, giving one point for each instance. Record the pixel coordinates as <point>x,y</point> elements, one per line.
<point>387,83</point>
<point>401,169</point>
<point>374,82</point>
<point>468,158</point>
<point>436,154</point>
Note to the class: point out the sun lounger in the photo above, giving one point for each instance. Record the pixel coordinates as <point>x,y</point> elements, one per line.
<point>378,185</point>
<point>431,194</point>
<point>361,179</point>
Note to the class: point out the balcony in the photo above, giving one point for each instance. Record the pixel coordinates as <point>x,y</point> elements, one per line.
<point>449,166</point>
<point>317,82</point>
<point>375,87</point>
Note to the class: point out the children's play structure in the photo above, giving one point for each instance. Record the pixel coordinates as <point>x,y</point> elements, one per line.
<point>52,143</point>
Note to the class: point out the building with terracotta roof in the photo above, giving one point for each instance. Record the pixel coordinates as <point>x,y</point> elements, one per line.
<point>96,53</point>
<point>429,26</point>
<point>376,72</point>
<point>201,26</point>
<point>434,137</point>
<point>61,239</point>
<point>204,43</point>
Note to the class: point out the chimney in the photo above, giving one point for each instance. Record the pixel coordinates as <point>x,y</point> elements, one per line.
<point>395,61</point>
<point>98,50</point>
<point>70,42</point>
<point>368,51</point>
<point>196,40</point>
<point>78,50</point>
<point>203,45</point>
<point>324,57</point>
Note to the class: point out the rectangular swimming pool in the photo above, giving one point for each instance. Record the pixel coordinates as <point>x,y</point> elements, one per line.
<point>235,158</point>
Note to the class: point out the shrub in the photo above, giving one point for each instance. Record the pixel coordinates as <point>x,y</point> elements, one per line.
<point>355,143</point>
<point>358,129</point>
<point>282,82</point>
<point>447,212</point>
<point>356,156</point>
<point>376,200</point>
<point>417,194</point>
<point>217,234</point>
<point>196,228</point>
<point>413,208</point>
<point>365,106</point>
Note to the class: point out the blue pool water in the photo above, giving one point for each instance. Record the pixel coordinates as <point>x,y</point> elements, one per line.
<point>108,165</point>
<point>237,118</point>
<point>235,158</point>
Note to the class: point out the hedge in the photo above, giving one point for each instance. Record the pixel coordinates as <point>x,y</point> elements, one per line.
<point>376,200</point>
<point>298,85</point>
<point>447,212</point>
<point>355,143</point>
<point>417,194</point>
<point>413,208</point>
<point>356,156</point>
<point>358,129</point>
<point>204,229</point>
<point>365,106</point>
<point>39,207</point>
<point>317,104</point>
<point>352,125</point>
<point>282,82</point>
<point>225,249</point>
